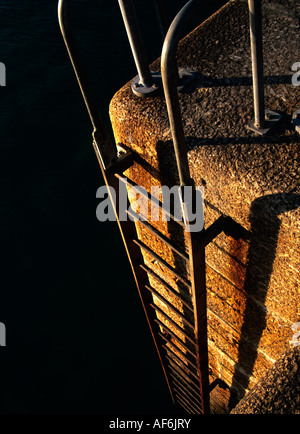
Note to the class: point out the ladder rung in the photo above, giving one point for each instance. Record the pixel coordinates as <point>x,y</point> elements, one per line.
<point>189,403</point>
<point>196,405</point>
<point>170,306</point>
<point>188,393</point>
<point>186,400</point>
<point>175,336</point>
<point>180,330</point>
<point>167,286</point>
<point>174,348</point>
<point>184,406</point>
<point>177,348</point>
<point>177,369</point>
<point>151,198</point>
<point>186,384</point>
<point>177,357</point>
<point>158,234</point>
<point>186,387</point>
<point>184,369</point>
<point>163,262</point>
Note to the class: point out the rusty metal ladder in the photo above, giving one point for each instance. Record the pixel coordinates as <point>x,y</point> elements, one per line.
<point>184,361</point>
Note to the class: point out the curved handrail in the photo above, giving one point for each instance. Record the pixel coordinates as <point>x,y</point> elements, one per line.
<point>169,72</point>
<point>136,43</point>
<point>107,150</point>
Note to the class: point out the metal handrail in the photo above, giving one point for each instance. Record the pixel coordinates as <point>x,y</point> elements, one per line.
<point>255,19</point>
<point>264,119</point>
<point>136,43</point>
<point>111,166</point>
<point>169,72</point>
<point>146,83</point>
<point>107,149</point>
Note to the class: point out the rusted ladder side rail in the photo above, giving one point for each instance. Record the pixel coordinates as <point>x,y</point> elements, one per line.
<point>188,388</point>
<point>169,71</point>
<point>107,158</point>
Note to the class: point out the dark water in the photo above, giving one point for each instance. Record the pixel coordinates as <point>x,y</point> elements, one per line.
<point>77,339</point>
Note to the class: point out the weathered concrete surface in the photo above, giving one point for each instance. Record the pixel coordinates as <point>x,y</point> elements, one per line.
<point>253,281</point>
<point>278,391</point>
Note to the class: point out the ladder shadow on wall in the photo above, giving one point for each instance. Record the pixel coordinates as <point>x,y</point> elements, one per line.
<point>265,228</point>
<point>262,240</point>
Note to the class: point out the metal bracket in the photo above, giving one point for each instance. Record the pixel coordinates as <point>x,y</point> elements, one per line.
<point>185,77</point>
<point>296,120</point>
<point>142,90</point>
<point>105,148</point>
<point>271,120</point>
<point>228,226</point>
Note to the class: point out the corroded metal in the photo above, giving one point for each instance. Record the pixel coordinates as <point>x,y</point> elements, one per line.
<point>111,179</point>
<point>187,380</point>
<point>196,248</point>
